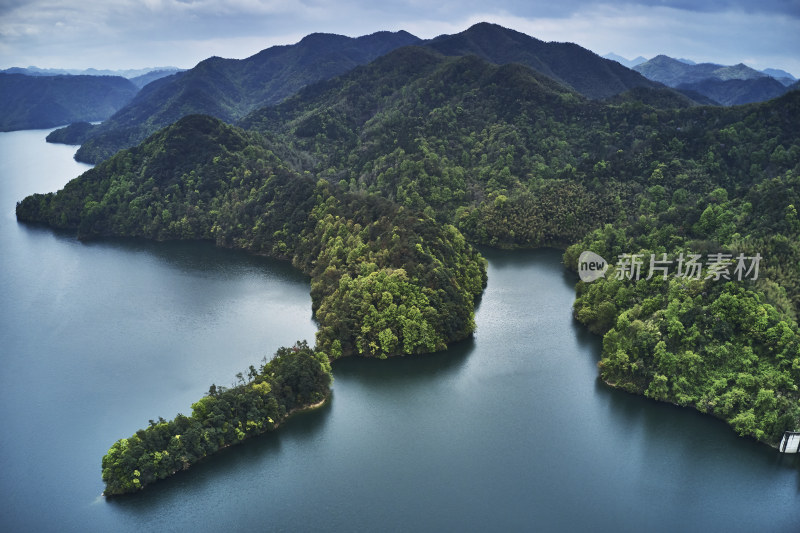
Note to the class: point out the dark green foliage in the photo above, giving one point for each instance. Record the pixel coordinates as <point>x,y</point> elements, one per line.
<point>576,67</point>
<point>516,160</point>
<point>731,349</point>
<point>75,133</point>
<point>230,88</point>
<point>371,181</point>
<point>202,179</point>
<point>490,134</point>
<point>297,378</point>
<point>660,98</point>
<point>387,280</point>
<point>34,102</point>
<point>737,92</point>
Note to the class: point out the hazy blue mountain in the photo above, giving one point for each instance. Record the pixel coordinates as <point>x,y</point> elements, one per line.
<point>778,73</point>
<point>673,72</point>
<point>630,63</point>
<point>144,79</point>
<point>697,97</point>
<point>726,85</point>
<point>736,92</point>
<point>230,88</point>
<point>125,73</point>
<point>568,63</point>
<point>782,76</point>
<point>785,81</point>
<point>32,102</point>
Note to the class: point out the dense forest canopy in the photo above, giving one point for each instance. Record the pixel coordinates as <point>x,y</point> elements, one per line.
<point>228,89</point>
<point>295,379</point>
<point>512,161</point>
<point>377,184</point>
<point>202,179</point>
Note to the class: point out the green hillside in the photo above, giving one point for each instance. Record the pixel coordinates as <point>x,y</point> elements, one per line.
<point>377,184</point>
<point>230,88</point>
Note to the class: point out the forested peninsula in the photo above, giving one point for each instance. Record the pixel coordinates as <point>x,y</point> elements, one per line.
<point>377,184</point>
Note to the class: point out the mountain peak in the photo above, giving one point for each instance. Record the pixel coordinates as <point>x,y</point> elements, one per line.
<point>568,63</point>
<point>320,37</point>
<point>630,63</point>
<point>728,85</point>
<point>490,29</point>
<point>230,88</point>
<point>663,58</point>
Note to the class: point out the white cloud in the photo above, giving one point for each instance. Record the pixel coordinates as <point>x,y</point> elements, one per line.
<point>131,33</point>
<point>759,40</point>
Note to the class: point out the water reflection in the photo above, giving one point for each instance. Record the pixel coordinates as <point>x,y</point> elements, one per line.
<point>400,371</point>
<point>509,430</point>
<point>236,465</point>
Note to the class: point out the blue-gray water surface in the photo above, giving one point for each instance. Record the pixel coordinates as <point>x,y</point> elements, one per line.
<point>509,431</point>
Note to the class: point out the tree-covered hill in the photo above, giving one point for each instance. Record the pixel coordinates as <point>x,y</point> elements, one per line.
<point>230,88</point>
<point>482,146</point>
<point>385,280</point>
<point>576,67</point>
<point>737,92</point>
<point>514,161</point>
<point>375,183</point>
<point>296,379</point>
<point>38,102</point>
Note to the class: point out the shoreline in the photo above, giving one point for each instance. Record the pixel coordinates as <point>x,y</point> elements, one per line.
<point>692,408</point>
<point>187,466</point>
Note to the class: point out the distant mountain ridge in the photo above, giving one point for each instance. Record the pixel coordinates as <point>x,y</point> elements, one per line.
<point>673,72</point>
<point>630,63</point>
<point>34,102</point>
<point>574,66</point>
<point>144,79</point>
<point>737,92</point>
<point>125,73</point>
<point>726,85</point>
<point>782,76</point>
<point>229,89</point>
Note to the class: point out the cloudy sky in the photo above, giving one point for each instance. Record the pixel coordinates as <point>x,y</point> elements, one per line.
<point>120,34</point>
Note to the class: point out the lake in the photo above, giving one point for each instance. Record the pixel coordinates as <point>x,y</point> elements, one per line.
<point>508,431</point>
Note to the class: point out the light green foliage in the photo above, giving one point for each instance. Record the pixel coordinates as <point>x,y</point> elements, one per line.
<point>295,378</point>
<point>375,183</point>
<point>727,348</point>
<point>201,179</point>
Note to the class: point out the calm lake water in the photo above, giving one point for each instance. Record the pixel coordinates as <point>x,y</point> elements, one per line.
<point>509,431</point>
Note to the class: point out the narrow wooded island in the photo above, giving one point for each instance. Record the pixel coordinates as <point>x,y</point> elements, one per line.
<point>296,379</point>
